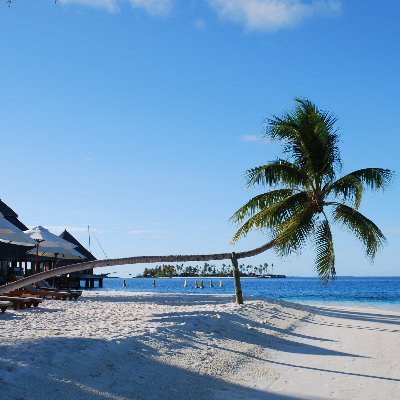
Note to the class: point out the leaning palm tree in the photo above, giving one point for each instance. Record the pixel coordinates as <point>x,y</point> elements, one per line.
<point>304,185</point>
<point>304,194</point>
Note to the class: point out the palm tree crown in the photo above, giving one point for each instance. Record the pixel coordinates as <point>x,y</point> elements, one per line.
<point>304,186</point>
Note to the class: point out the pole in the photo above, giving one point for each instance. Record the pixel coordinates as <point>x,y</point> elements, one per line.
<point>37,259</point>
<point>88,231</point>
<point>236,279</point>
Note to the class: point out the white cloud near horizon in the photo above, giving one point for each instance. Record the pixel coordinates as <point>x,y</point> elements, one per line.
<point>271,15</point>
<point>253,138</point>
<point>57,229</point>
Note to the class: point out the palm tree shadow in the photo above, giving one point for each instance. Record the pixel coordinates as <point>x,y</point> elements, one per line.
<point>232,326</point>
<point>348,316</point>
<point>97,369</point>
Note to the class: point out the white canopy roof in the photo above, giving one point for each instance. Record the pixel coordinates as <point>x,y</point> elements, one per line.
<point>47,239</point>
<point>57,252</point>
<point>9,233</point>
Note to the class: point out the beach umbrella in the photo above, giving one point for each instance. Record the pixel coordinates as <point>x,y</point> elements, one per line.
<point>10,234</point>
<point>58,252</point>
<point>42,235</point>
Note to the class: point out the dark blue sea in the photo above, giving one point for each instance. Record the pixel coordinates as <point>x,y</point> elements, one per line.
<point>379,291</point>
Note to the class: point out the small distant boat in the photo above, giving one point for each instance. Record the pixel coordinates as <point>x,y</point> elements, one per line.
<point>273,276</point>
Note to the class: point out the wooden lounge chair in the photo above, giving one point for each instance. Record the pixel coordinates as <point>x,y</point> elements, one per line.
<point>29,300</point>
<point>4,305</point>
<point>31,290</point>
<point>17,302</point>
<point>44,285</point>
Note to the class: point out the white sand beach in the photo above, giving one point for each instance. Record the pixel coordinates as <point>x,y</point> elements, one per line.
<point>119,345</point>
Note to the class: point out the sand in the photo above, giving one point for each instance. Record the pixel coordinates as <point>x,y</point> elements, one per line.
<point>120,345</point>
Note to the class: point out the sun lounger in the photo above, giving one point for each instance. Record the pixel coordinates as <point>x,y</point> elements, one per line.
<point>31,290</point>
<point>29,300</point>
<point>17,302</point>
<point>24,292</point>
<point>4,305</point>
<point>44,285</point>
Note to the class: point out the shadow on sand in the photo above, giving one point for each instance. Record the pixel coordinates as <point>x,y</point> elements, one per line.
<point>349,316</point>
<point>94,369</point>
<point>128,369</point>
<point>232,326</point>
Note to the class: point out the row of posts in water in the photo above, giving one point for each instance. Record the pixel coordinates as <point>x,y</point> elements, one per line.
<point>196,284</point>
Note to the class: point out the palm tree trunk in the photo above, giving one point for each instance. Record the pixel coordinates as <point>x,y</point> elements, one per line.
<point>68,269</point>
<point>236,279</point>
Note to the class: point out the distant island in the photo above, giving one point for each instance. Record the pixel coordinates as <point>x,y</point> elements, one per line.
<point>209,270</point>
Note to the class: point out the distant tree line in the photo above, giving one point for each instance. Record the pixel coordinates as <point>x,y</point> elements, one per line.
<point>179,270</point>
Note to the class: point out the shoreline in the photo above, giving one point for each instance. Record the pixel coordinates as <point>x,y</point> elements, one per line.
<point>379,305</point>
<point>370,305</point>
<point>371,292</point>
<point>124,345</point>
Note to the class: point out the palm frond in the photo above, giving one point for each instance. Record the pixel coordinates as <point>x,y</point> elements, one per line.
<point>306,182</point>
<point>250,224</point>
<point>292,234</point>
<point>362,227</point>
<point>325,254</point>
<point>260,202</point>
<point>271,217</point>
<point>348,187</point>
<point>317,128</point>
<point>278,172</point>
<point>286,130</point>
<point>309,137</point>
<point>374,178</point>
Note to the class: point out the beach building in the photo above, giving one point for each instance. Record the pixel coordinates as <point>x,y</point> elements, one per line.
<point>14,261</point>
<point>74,279</point>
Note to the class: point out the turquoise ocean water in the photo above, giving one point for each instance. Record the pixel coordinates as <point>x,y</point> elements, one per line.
<point>379,291</point>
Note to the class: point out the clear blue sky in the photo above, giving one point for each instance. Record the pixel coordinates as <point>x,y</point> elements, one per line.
<point>140,117</point>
